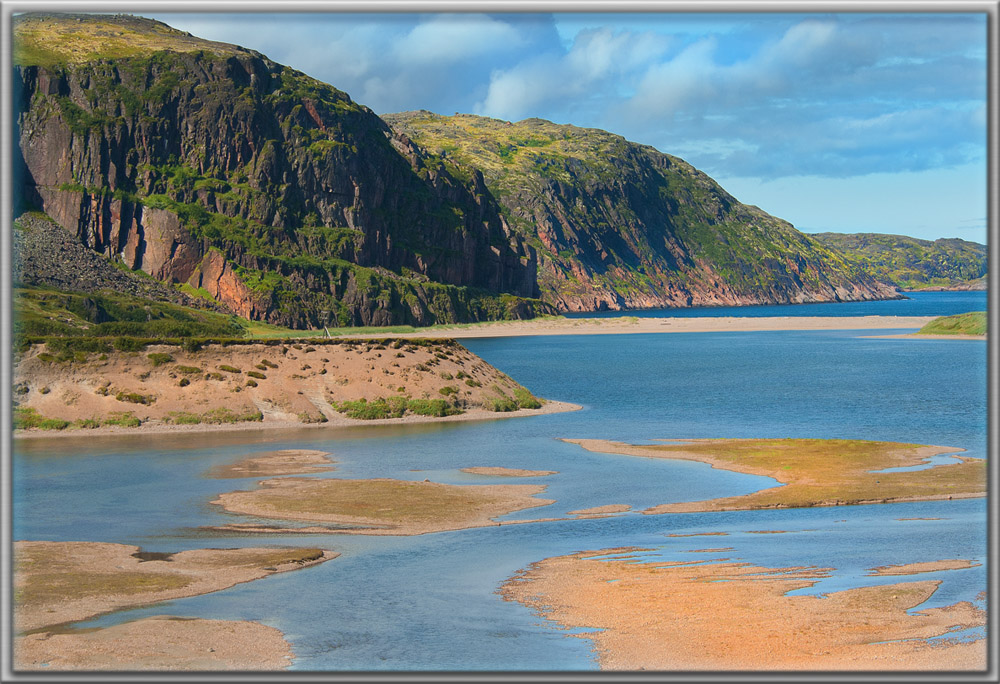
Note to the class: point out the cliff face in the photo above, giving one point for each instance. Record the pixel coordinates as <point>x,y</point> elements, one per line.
<point>209,164</point>
<point>913,264</point>
<point>619,225</point>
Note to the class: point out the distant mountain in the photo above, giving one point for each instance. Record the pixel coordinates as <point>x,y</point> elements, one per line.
<point>278,197</point>
<point>912,264</point>
<point>620,225</point>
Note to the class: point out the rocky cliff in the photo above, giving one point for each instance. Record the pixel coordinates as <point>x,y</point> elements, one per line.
<point>619,225</point>
<point>208,164</point>
<point>913,264</point>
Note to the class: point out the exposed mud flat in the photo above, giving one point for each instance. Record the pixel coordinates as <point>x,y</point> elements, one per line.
<point>735,616</point>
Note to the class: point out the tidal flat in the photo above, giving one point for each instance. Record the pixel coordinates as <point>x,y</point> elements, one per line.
<point>817,472</point>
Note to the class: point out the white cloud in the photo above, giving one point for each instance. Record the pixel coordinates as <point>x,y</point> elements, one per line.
<point>450,38</point>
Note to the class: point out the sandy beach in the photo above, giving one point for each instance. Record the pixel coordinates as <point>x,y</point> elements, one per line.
<point>625,325</point>
<point>735,616</point>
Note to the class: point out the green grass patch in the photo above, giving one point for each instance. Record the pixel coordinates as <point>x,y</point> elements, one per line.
<point>972,323</point>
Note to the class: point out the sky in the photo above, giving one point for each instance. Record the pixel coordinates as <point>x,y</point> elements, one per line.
<point>849,122</point>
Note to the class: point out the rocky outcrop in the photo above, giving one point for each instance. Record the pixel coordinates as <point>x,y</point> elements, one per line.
<point>160,157</point>
<point>45,255</point>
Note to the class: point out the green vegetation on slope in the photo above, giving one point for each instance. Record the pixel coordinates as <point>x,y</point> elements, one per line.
<point>624,221</point>
<point>42,312</point>
<point>910,263</point>
<point>972,323</point>
<point>62,39</point>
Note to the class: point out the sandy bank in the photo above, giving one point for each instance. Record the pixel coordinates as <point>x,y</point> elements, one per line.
<point>734,616</point>
<point>634,324</point>
<point>382,506</point>
<point>158,643</point>
<point>59,582</point>
<point>815,472</point>
<point>260,384</point>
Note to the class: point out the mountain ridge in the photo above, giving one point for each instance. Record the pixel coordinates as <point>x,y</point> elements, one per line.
<point>210,165</point>
<point>620,225</point>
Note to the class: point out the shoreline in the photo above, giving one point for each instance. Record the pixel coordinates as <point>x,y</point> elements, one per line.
<point>639,325</point>
<point>336,423</point>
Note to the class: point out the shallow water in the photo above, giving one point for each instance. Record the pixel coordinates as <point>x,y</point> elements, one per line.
<point>428,602</point>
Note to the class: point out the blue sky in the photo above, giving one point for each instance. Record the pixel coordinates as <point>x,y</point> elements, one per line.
<point>853,122</point>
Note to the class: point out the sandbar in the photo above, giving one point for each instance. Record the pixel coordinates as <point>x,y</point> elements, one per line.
<point>816,472</point>
<point>600,511</point>
<point>625,325</point>
<point>161,642</point>
<point>59,582</point>
<point>499,471</point>
<point>383,506</point>
<point>736,616</point>
<point>271,463</point>
<point>926,566</point>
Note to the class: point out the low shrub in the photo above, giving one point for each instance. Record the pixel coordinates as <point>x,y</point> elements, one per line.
<point>445,375</point>
<point>158,358</point>
<point>87,423</point>
<point>122,418</point>
<point>526,399</point>
<point>211,375</point>
<point>225,415</point>
<point>501,404</point>
<point>129,344</point>
<point>473,383</point>
<point>432,407</point>
<point>229,369</point>
<point>267,364</point>
<point>183,418</point>
<point>136,398</point>
<point>306,417</point>
<point>448,390</point>
<point>251,383</point>
<point>257,374</point>
<point>187,370</point>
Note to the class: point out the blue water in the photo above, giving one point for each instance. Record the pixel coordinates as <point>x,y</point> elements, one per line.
<point>429,603</point>
<point>916,304</point>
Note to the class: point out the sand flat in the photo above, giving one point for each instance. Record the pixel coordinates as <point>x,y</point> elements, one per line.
<point>158,643</point>
<point>815,472</point>
<point>735,616</point>
<point>383,506</point>
<point>59,582</point>
<point>926,566</point>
